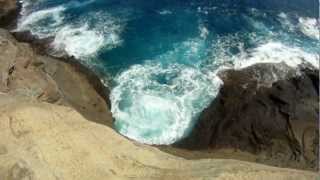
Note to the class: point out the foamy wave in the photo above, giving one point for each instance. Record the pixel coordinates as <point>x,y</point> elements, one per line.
<point>285,22</point>
<point>310,27</point>
<point>82,37</point>
<point>307,26</point>
<point>52,17</point>
<point>204,32</point>
<point>155,104</point>
<point>158,103</point>
<point>78,41</point>
<point>82,40</point>
<point>276,52</point>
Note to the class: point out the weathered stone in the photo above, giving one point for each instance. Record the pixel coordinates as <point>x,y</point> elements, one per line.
<point>8,11</point>
<point>3,150</point>
<point>263,109</point>
<point>21,171</point>
<point>25,73</point>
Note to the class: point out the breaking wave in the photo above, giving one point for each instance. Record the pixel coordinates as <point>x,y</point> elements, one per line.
<point>164,60</point>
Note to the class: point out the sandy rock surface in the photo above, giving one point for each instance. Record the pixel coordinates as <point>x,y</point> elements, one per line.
<point>28,75</point>
<point>47,141</point>
<point>269,110</point>
<point>53,126</point>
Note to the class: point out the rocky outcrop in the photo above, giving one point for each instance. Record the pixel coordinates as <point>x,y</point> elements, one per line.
<point>49,141</point>
<point>268,109</point>
<point>29,75</point>
<point>8,11</point>
<point>43,135</point>
<point>6,6</point>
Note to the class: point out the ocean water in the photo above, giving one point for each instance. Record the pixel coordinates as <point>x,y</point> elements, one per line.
<point>163,56</point>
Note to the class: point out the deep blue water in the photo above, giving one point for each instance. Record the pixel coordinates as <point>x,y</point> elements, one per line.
<point>162,56</point>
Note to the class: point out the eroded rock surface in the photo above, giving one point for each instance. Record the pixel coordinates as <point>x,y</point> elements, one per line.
<point>6,6</point>
<point>43,135</point>
<point>268,109</point>
<point>8,11</point>
<point>48,141</point>
<point>29,75</point>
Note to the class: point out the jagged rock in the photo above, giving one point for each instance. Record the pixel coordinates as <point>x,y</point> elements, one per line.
<point>25,73</point>
<point>6,6</point>
<point>40,139</point>
<point>269,109</point>
<point>8,11</point>
<point>48,141</point>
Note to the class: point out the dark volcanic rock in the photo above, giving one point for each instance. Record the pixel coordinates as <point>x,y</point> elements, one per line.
<point>267,108</point>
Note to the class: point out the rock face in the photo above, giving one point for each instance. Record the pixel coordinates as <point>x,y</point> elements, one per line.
<point>44,137</point>
<point>268,109</point>
<point>48,141</point>
<point>8,10</point>
<point>31,76</point>
<point>6,6</point>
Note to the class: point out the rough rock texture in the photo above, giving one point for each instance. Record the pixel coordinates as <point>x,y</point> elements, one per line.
<point>47,141</point>
<point>8,10</point>
<point>6,6</point>
<point>43,135</point>
<point>28,75</point>
<point>268,109</point>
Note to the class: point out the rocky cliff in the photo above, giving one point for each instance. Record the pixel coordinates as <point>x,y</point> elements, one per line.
<point>8,11</point>
<point>27,74</point>
<point>270,110</point>
<point>44,137</point>
<point>53,118</point>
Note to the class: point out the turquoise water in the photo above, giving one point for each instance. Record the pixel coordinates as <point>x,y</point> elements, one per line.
<point>163,56</point>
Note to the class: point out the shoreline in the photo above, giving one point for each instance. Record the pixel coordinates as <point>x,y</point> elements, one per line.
<point>41,46</point>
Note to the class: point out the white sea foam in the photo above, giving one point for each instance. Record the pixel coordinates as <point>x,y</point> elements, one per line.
<point>310,27</point>
<point>76,38</point>
<point>82,40</point>
<point>204,32</point>
<point>275,52</point>
<point>53,18</point>
<point>165,12</point>
<point>285,22</point>
<point>154,104</point>
<point>158,102</point>
<point>78,41</point>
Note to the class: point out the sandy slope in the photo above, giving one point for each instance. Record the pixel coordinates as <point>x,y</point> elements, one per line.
<point>45,141</point>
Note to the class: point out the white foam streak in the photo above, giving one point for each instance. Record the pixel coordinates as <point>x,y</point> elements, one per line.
<point>78,41</point>
<point>75,38</point>
<point>157,105</point>
<point>276,52</point>
<point>52,15</point>
<point>204,32</point>
<point>310,27</point>
<point>165,12</point>
<point>306,25</point>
